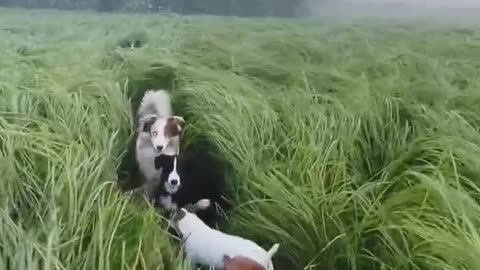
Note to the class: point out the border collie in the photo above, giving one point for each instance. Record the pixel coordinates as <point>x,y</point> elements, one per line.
<point>189,177</point>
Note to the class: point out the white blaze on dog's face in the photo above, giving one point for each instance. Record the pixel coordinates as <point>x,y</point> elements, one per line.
<point>173,178</point>
<point>170,175</point>
<point>163,131</point>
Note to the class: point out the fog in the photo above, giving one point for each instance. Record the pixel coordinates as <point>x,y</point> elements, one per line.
<point>428,3</point>
<point>340,9</point>
<point>441,10</point>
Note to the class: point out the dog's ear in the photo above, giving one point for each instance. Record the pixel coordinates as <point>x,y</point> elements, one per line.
<point>174,126</point>
<point>179,215</point>
<point>200,205</point>
<point>226,261</point>
<point>148,123</point>
<point>179,119</point>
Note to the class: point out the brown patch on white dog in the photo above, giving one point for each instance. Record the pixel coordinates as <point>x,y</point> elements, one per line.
<point>240,263</point>
<point>173,126</point>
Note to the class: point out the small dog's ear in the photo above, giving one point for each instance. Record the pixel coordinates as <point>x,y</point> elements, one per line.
<point>200,205</point>
<point>179,215</point>
<point>226,261</point>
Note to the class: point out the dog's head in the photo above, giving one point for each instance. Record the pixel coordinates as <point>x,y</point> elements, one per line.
<point>171,170</point>
<point>187,214</point>
<point>164,132</point>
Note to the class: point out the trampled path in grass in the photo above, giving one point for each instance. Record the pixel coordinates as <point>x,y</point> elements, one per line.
<point>354,145</point>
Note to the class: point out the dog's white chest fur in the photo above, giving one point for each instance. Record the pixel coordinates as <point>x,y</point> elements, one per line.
<point>145,156</point>
<point>167,203</point>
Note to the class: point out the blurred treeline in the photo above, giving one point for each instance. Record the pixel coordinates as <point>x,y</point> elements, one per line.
<point>254,8</point>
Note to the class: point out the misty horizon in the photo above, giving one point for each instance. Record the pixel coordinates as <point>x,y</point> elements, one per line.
<point>423,3</point>
<point>451,9</point>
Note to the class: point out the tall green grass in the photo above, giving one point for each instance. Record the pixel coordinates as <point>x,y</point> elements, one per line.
<point>355,146</point>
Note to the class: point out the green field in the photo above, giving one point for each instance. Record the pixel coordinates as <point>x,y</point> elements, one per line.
<point>354,145</point>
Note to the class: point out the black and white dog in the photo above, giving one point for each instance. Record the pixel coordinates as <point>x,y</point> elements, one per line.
<point>189,177</point>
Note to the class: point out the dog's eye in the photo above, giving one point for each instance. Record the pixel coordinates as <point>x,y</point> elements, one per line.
<point>154,133</point>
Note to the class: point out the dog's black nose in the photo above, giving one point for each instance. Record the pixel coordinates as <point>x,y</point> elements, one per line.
<point>174,182</point>
<point>159,148</point>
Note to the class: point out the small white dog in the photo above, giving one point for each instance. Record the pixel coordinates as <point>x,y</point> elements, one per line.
<point>210,247</point>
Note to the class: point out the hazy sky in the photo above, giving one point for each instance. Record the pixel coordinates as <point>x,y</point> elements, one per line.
<point>459,3</point>
<point>454,9</point>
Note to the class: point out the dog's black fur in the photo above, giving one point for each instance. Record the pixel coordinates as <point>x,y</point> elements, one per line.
<point>201,176</point>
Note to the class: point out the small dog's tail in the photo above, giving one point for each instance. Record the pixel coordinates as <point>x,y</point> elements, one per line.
<point>271,252</point>
<point>155,103</point>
